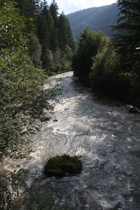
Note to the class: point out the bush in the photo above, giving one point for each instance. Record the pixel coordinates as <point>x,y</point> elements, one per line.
<point>21,90</point>
<point>107,77</point>
<point>90,44</point>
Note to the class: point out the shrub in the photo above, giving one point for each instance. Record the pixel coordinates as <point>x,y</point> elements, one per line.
<point>107,77</point>
<point>90,44</point>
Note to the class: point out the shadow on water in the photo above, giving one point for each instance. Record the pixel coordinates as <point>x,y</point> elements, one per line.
<point>107,140</point>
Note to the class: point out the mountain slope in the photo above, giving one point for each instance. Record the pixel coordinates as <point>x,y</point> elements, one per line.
<point>95,18</point>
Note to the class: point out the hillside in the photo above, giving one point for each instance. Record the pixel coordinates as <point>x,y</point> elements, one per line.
<point>95,18</point>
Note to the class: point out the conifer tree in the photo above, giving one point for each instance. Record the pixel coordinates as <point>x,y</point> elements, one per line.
<point>27,7</point>
<point>65,35</point>
<point>128,25</point>
<point>54,11</point>
<point>128,42</point>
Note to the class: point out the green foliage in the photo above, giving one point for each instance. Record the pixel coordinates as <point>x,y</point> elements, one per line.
<point>58,62</point>
<point>128,26</point>
<point>12,26</point>
<point>21,83</point>
<point>54,11</point>
<point>114,71</point>
<point>127,42</point>
<point>109,77</point>
<point>55,36</point>
<point>106,77</point>
<point>35,50</point>
<point>62,60</point>
<point>98,65</point>
<point>27,7</point>
<point>90,43</point>
<point>22,98</point>
<point>48,33</point>
<point>64,33</point>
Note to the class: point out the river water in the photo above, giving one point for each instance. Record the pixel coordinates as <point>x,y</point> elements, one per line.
<point>107,140</point>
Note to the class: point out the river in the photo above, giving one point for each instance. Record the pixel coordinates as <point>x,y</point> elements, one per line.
<point>107,139</point>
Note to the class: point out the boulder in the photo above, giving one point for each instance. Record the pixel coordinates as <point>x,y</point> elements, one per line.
<point>64,165</point>
<point>133,110</point>
<point>44,118</point>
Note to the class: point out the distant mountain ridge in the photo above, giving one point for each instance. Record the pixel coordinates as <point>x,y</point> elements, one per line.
<point>95,18</point>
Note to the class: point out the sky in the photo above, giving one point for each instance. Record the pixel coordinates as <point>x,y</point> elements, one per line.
<point>70,6</point>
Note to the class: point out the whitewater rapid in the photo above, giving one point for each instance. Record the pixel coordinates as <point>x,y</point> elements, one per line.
<point>103,134</point>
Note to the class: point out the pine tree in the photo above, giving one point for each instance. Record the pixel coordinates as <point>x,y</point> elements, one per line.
<point>127,41</point>
<point>42,25</point>
<point>128,25</point>
<point>65,34</point>
<point>54,11</point>
<point>27,7</point>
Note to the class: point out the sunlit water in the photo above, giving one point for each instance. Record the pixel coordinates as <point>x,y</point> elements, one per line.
<point>107,139</point>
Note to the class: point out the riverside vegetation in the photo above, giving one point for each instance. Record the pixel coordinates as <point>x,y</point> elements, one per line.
<point>111,68</point>
<point>36,42</point>
<point>33,41</point>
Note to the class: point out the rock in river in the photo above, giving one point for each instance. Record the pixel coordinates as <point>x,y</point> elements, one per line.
<point>60,166</point>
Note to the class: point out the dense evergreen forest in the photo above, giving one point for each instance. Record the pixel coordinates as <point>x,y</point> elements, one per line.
<point>95,18</point>
<point>112,68</point>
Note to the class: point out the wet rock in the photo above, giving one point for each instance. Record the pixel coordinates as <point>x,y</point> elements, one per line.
<point>133,110</point>
<point>44,118</point>
<point>116,206</point>
<point>60,166</point>
<point>135,152</point>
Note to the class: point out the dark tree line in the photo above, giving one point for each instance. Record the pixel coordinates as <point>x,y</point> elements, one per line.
<point>51,41</point>
<point>112,68</point>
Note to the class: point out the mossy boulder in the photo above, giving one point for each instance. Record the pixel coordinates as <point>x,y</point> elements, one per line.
<point>64,165</point>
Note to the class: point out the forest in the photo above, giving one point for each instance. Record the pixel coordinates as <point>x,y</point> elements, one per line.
<point>95,18</point>
<point>111,67</point>
<point>36,42</point>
